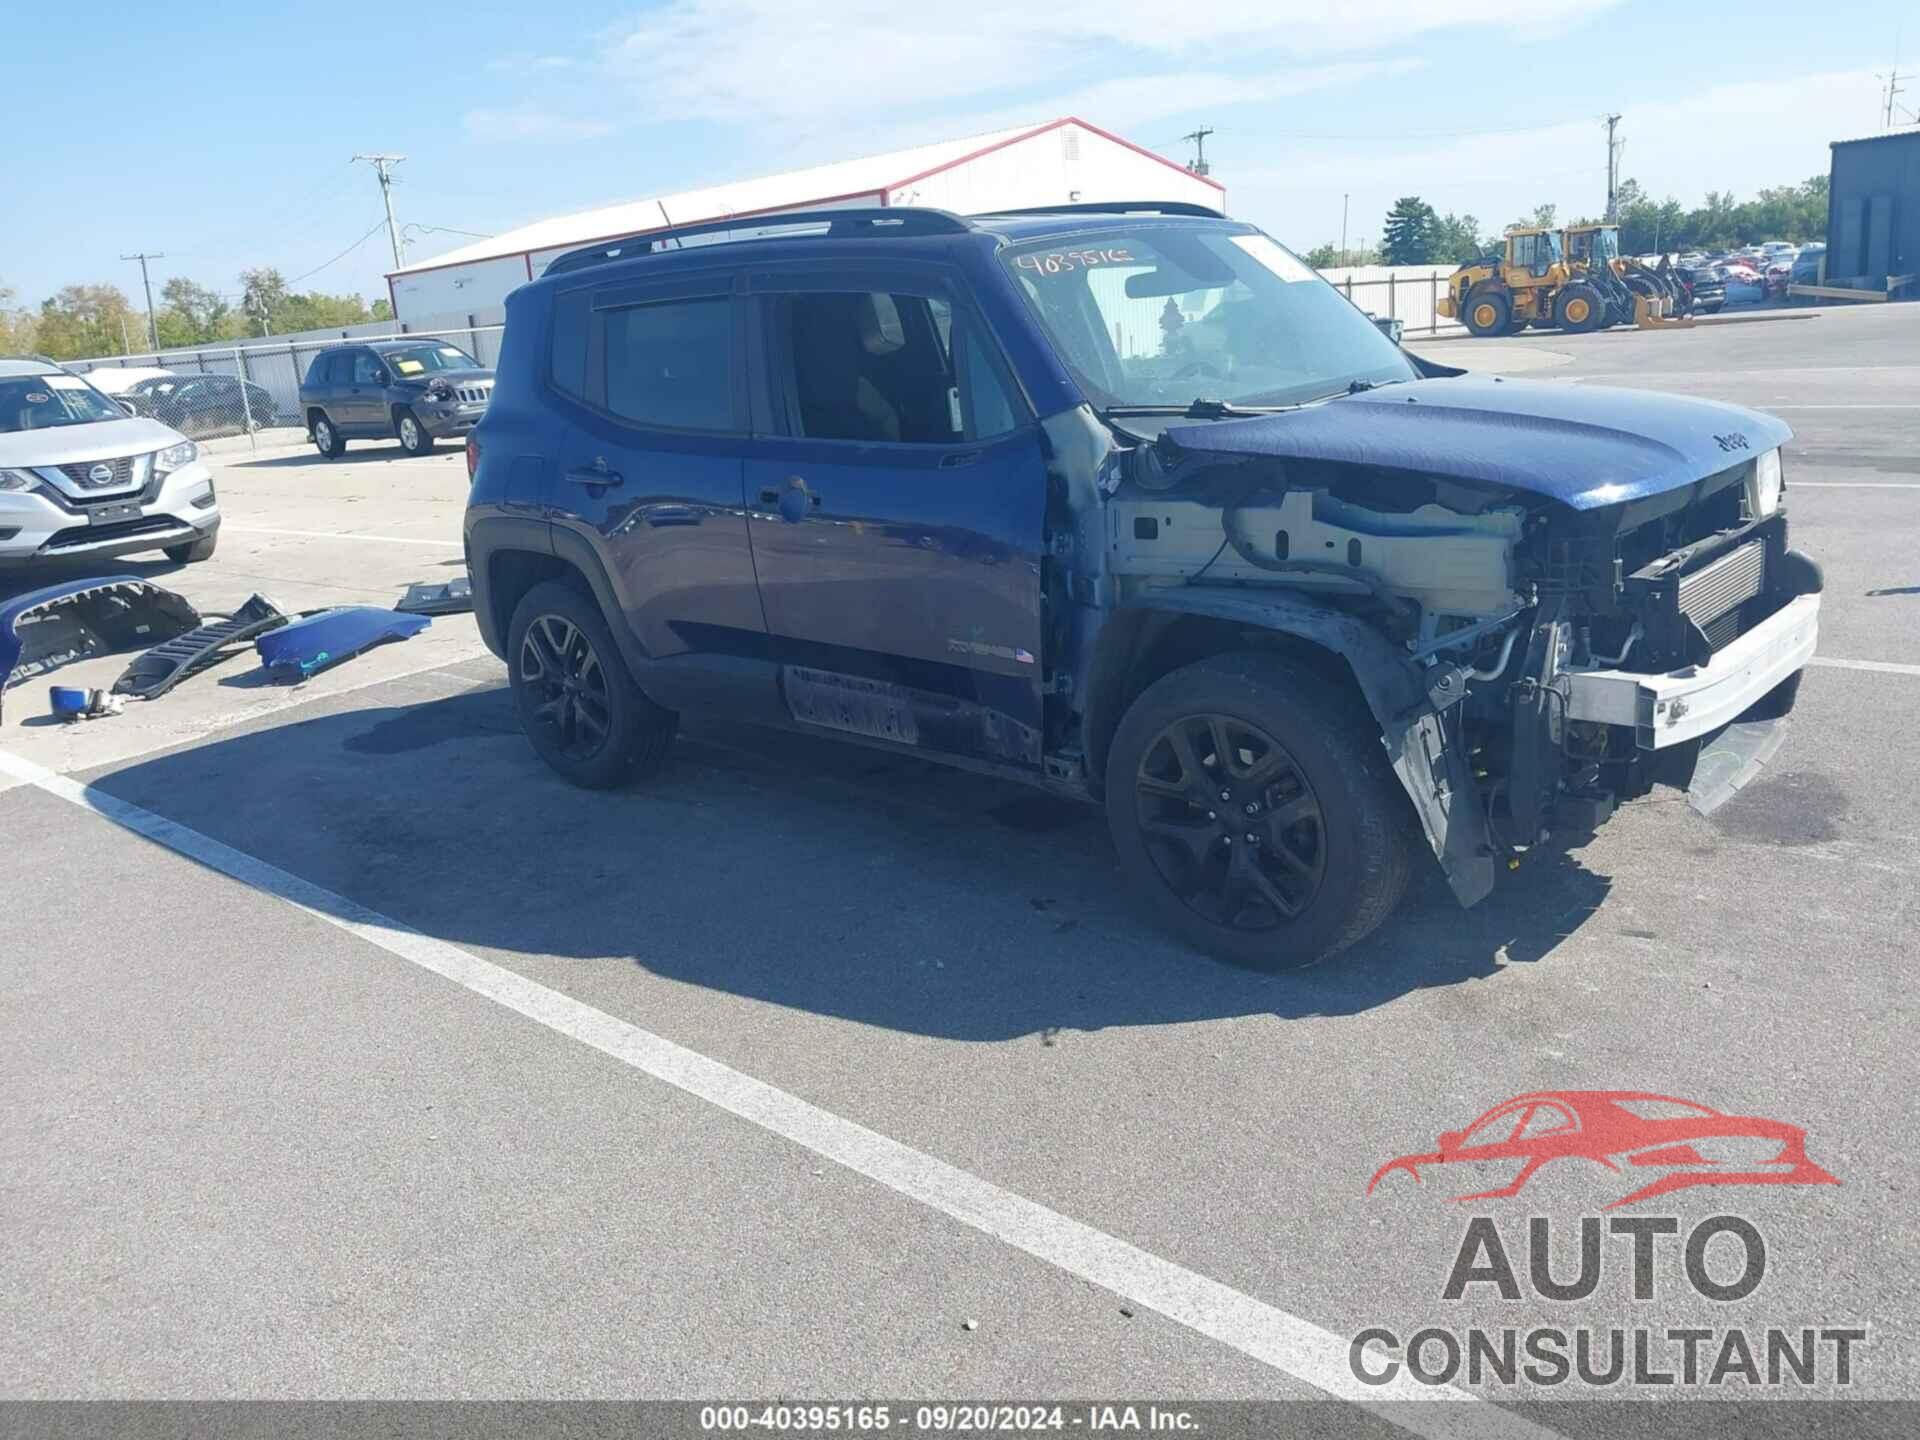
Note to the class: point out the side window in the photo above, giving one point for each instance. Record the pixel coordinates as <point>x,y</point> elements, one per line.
<point>670,363</point>
<point>366,368</point>
<point>873,366</point>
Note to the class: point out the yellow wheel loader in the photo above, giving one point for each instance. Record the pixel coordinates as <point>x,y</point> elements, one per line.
<point>1633,292</point>
<point>1527,282</point>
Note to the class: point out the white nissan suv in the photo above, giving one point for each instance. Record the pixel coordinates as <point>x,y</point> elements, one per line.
<point>81,477</point>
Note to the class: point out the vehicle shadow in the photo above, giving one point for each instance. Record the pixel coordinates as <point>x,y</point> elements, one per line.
<point>360,450</point>
<point>799,871</point>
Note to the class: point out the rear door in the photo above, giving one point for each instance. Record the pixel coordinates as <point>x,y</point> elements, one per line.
<point>897,504</point>
<point>649,484</point>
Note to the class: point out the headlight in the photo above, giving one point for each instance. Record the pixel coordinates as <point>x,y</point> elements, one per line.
<point>14,480</point>
<point>1764,485</point>
<point>174,456</point>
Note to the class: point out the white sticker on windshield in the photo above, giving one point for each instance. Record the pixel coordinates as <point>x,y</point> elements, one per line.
<point>1271,255</point>
<point>451,353</point>
<point>63,382</point>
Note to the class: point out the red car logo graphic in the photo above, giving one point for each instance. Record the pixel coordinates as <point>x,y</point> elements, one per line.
<point>1626,1131</point>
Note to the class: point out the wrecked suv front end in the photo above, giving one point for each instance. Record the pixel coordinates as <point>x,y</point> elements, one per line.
<point>1550,597</point>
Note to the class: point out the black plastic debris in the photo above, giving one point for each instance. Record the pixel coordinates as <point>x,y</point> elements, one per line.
<point>164,666</point>
<point>454,597</point>
<point>45,629</point>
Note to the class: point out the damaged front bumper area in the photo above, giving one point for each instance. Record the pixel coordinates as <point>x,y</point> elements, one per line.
<point>1686,704</point>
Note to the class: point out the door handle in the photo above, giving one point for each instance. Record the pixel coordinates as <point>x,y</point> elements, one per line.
<point>594,474</point>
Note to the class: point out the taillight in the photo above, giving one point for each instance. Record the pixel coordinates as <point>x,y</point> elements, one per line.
<point>473,456</point>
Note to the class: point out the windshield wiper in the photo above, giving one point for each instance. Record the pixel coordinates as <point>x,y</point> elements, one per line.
<point>1199,409</point>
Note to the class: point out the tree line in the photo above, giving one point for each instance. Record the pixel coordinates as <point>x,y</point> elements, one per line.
<point>1414,233</point>
<point>83,321</point>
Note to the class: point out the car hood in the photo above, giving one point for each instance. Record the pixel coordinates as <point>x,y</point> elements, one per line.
<point>1585,446</point>
<point>75,444</point>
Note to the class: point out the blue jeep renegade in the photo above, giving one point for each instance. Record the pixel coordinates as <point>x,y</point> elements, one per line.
<point>1126,502</point>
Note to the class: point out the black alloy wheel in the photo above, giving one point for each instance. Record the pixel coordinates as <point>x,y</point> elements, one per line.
<point>1231,822</point>
<point>567,683</point>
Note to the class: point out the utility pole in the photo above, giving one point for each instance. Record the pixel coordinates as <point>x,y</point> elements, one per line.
<point>1613,171</point>
<point>1893,88</point>
<point>153,326</point>
<point>1343,227</point>
<point>383,167</point>
<point>1198,165</point>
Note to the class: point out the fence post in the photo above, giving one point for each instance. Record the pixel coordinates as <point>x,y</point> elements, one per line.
<point>1390,295</point>
<point>1349,288</point>
<point>1433,302</point>
<point>246,401</point>
<point>473,339</point>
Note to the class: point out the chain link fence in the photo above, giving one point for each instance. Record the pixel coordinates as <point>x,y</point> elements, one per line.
<point>252,388</point>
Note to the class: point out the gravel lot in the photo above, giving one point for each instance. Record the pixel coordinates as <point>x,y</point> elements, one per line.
<point>309,1099</point>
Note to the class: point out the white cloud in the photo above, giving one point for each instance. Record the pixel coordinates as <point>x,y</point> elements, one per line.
<point>749,61</point>
<point>528,122</point>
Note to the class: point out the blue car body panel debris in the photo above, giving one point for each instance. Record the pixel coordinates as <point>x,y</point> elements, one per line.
<point>314,643</point>
<point>54,626</point>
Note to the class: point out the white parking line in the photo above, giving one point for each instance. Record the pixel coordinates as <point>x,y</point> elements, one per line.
<point>1855,485</point>
<point>1263,1332</point>
<point>1882,667</point>
<point>337,535</point>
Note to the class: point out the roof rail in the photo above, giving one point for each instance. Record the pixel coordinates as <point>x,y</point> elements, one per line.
<point>871,221</point>
<point>1120,207</point>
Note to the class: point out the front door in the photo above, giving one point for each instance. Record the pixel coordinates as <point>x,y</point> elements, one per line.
<point>648,481</point>
<point>363,409</point>
<point>897,511</point>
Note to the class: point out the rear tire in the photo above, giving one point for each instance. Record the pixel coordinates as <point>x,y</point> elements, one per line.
<point>1330,855</point>
<point>193,552</point>
<point>326,437</point>
<point>578,703</point>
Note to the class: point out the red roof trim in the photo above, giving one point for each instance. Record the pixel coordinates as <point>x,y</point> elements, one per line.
<point>1142,150</point>
<point>1065,120</point>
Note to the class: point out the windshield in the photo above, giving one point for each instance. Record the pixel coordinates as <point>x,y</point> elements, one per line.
<point>42,402</point>
<point>1607,243</point>
<point>1162,315</point>
<point>425,359</point>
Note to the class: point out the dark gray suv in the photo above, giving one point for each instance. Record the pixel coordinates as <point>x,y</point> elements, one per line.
<point>415,390</point>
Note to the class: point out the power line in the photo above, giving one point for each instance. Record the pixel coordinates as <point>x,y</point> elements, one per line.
<point>342,255</point>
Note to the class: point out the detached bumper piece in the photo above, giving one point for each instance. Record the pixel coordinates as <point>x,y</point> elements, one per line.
<point>316,642</point>
<point>1685,704</point>
<point>455,597</point>
<point>155,673</point>
<point>45,629</point>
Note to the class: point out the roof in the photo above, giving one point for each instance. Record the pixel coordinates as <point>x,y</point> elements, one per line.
<point>1907,132</point>
<point>16,365</point>
<point>842,180</point>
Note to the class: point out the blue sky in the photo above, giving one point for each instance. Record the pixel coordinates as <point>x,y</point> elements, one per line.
<point>226,142</point>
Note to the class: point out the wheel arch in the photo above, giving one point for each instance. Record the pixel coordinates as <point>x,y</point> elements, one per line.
<point>1176,627</point>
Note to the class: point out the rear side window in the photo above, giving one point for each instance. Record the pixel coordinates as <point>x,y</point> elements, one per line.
<point>321,372</point>
<point>671,363</point>
<point>567,361</point>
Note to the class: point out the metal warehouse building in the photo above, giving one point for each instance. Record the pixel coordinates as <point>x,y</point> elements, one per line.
<point>1059,162</point>
<point>1873,213</point>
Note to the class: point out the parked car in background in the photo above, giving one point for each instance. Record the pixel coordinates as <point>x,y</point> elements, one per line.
<point>203,406</point>
<point>1807,264</point>
<point>82,479</point>
<point>1289,600</point>
<point>118,379</point>
<point>417,391</point>
<point>1708,285</point>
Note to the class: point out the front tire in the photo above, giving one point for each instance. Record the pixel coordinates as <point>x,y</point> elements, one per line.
<point>414,438</point>
<point>1251,803</point>
<point>1579,308</point>
<point>193,552</point>
<point>1487,312</point>
<point>578,703</point>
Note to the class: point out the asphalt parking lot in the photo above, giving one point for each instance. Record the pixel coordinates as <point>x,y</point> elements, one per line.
<point>347,1052</point>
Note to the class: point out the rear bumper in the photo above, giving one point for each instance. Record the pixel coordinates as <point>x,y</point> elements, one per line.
<point>1685,704</point>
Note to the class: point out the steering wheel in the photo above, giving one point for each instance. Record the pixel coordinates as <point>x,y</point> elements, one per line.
<point>1197,367</point>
